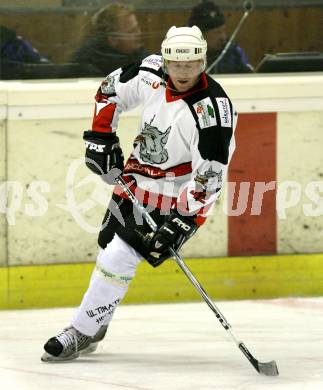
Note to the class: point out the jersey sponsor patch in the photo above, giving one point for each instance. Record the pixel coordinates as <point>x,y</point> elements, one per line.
<point>148,81</point>
<point>205,112</point>
<point>225,112</point>
<point>153,61</point>
<point>134,166</point>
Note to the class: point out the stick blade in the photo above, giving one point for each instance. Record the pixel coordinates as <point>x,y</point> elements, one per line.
<point>268,369</point>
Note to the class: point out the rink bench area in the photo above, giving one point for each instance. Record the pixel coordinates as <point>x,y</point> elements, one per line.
<point>48,233</point>
<point>235,278</point>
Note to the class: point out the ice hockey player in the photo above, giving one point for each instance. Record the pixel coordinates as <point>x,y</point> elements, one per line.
<point>177,169</point>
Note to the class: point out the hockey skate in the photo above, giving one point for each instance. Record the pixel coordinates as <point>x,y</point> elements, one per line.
<point>70,343</point>
<point>99,336</point>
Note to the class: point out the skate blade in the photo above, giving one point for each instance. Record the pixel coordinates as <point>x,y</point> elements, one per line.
<point>46,357</point>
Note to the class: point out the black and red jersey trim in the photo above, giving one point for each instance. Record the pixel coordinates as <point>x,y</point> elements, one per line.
<point>159,201</point>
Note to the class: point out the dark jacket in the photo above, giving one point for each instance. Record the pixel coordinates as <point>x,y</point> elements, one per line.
<point>234,61</point>
<point>15,54</point>
<point>99,59</point>
<point>14,48</point>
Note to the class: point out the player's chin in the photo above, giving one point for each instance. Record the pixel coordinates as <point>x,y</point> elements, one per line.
<point>183,85</point>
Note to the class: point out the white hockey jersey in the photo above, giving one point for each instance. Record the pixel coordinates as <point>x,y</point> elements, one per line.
<point>184,142</point>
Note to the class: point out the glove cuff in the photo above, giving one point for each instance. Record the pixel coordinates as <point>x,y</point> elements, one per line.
<point>99,135</point>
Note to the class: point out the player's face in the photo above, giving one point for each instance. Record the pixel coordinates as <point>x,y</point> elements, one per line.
<point>184,74</point>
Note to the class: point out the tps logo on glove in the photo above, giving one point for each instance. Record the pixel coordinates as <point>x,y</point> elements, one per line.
<point>93,146</point>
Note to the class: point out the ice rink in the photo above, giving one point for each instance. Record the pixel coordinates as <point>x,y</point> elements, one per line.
<point>176,346</point>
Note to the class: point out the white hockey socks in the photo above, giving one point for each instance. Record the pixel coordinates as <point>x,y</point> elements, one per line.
<point>116,266</point>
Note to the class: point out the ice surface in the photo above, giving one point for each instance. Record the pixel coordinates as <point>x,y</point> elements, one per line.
<point>177,346</point>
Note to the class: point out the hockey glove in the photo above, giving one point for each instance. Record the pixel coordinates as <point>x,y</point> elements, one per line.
<point>103,154</point>
<point>172,234</point>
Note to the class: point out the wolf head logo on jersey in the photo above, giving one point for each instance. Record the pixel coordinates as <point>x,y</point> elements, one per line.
<point>152,144</point>
<point>210,180</point>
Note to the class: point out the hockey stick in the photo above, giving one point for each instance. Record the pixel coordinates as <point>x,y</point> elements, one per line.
<point>270,368</point>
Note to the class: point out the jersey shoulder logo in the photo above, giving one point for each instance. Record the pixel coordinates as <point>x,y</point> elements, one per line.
<point>205,112</point>
<point>108,85</point>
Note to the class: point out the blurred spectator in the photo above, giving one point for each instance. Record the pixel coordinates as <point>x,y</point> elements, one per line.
<point>15,48</point>
<point>210,19</point>
<point>114,41</point>
<point>15,52</point>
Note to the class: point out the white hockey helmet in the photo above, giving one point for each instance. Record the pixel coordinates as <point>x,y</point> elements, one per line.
<point>184,44</point>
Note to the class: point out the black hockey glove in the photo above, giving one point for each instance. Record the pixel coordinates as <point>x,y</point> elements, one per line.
<point>103,154</point>
<point>172,234</point>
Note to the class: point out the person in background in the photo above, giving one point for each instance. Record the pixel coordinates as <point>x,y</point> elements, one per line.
<point>14,48</point>
<point>114,40</point>
<point>210,19</point>
<point>14,52</point>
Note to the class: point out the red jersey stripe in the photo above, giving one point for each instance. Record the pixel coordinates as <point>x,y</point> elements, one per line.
<point>134,166</point>
<point>102,120</point>
<point>159,201</point>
